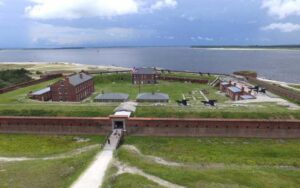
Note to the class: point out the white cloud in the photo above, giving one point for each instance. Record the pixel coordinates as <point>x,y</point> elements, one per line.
<point>62,35</point>
<point>202,38</point>
<point>282,8</point>
<point>283,27</point>
<point>163,4</point>
<point>74,9</point>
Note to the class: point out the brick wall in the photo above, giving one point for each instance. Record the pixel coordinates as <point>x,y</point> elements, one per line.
<point>55,125</point>
<point>278,90</point>
<point>213,127</point>
<point>179,79</point>
<point>154,126</point>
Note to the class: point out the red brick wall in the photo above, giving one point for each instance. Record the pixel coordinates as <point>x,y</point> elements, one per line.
<point>70,92</point>
<point>178,79</point>
<point>55,125</point>
<point>213,127</point>
<point>154,127</point>
<point>143,78</point>
<point>276,89</point>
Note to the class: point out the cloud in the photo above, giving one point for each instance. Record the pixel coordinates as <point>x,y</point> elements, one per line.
<point>283,27</point>
<point>282,8</point>
<point>163,4</point>
<point>74,9</point>
<point>63,35</point>
<point>202,38</point>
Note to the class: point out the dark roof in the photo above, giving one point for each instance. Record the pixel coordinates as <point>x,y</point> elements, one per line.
<point>152,96</point>
<point>76,79</point>
<point>145,71</point>
<point>235,89</point>
<point>112,96</point>
<point>42,91</point>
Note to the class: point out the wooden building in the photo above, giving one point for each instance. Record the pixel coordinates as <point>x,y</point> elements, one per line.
<point>144,76</point>
<point>73,88</point>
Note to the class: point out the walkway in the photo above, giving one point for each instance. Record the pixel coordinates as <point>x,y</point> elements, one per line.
<point>94,174</point>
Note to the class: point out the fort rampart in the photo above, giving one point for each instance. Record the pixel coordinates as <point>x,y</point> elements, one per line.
<point>154,126</point>
<point>30,83</point>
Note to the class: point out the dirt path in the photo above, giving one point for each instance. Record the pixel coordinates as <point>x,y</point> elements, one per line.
<point>123,168</point>
<point>93,176</point>
<point>54,157</point>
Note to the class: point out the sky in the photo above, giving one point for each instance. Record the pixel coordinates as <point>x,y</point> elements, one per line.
<point>101,23</point>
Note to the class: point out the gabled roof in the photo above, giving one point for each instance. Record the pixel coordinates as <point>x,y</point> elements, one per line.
<point>42,91</point>
<point>79,78</point>
<point>152,96</point>
<point>235,89</point>
<point>112,96</point>
<point>145,71</point>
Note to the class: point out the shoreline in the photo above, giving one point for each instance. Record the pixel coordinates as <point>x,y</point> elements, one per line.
<point>68,66</point>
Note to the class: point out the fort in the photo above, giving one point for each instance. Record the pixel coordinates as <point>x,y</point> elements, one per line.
<point>153,126</point>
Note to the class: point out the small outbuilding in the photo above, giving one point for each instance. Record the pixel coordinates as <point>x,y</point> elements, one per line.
<point>223,86</point>
<point>41,95</point>
<point>234,92</point>
<point>152,97</point>
<point>112,97</point>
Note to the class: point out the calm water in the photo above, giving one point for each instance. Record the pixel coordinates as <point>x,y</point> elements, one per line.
<point>280,65</point>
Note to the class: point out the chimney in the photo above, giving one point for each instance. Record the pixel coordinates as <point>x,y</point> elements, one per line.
<point>230,82</point>
<point>243,89</point>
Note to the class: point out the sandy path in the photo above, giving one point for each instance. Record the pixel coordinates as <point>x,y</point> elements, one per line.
<point>54,157</point>
<point>93,176</point>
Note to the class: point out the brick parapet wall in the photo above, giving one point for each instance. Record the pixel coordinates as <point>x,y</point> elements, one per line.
<point>214,127</point>
<point>154,126</point>
<point>180,79</point>
<point>29,83</point>
<point>278,90</point>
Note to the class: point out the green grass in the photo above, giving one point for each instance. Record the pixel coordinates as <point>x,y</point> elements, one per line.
<point>219,162</point>
<point>189,75</point>
<point>122,83</point>
<point>43,174</point>
<point>251,111</point>
<point>132,181</point>
<point>16,103</point>
<point>221,150</point>
<point>12,145</point>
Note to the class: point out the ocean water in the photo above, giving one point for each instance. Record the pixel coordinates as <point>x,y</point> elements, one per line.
<point>282,65</point>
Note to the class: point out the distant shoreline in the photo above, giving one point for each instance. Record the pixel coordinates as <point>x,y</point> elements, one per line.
<point>283,47</point>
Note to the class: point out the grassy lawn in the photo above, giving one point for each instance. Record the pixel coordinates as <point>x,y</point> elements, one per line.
<point>218,162</point>
<point>44,173</point>
<point>122,83</point>
<point>14,145</point>
<point>189,75</point>
<point>16,103</point>
<point>132,181</point>
<point>40,173</point>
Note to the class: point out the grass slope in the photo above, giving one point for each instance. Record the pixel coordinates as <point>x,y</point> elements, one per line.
<point>14,145</point>
<point>43,173</point>
<point>219,162</point>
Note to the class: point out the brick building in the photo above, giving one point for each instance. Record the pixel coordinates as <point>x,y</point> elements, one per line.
<point>144,76</point>
<point>73,88</point>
